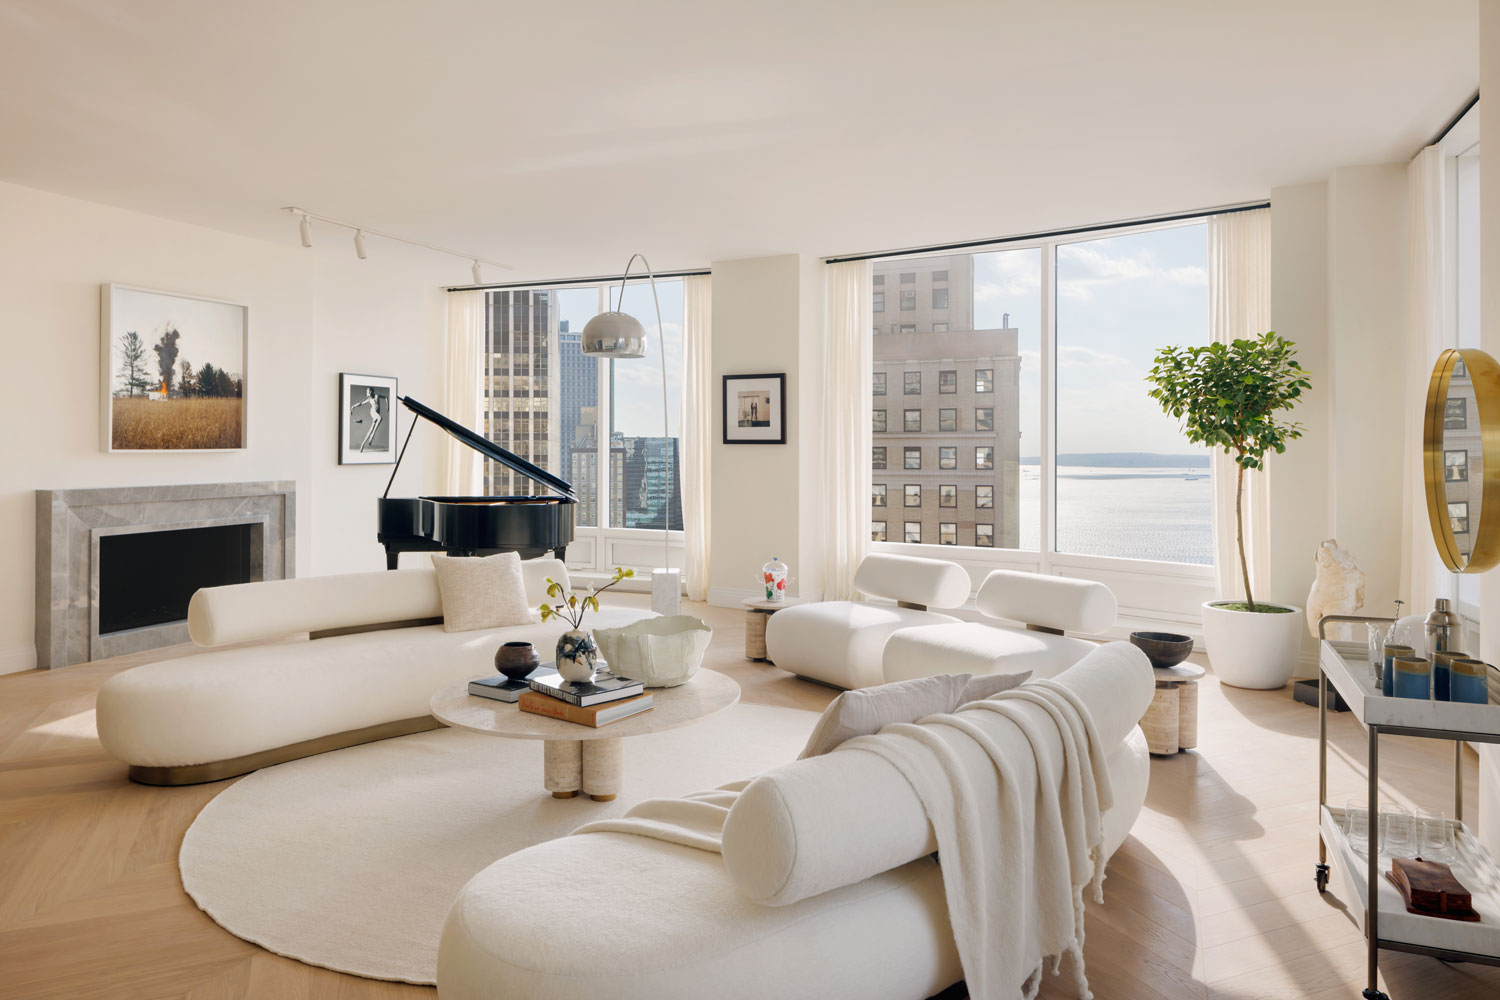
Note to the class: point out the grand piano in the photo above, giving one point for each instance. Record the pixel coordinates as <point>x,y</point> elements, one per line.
<point>476,526</point>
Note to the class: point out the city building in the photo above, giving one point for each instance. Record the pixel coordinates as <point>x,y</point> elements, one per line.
<point>517,410</point>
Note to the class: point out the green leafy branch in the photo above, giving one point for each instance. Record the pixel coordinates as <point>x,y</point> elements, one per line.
<point>573,606</point>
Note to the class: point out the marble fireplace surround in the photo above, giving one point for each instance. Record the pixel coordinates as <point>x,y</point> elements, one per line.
<point>69,524</point>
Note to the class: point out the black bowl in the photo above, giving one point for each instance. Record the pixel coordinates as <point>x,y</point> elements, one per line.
<point>1163,649</point>
<point>516,659</point>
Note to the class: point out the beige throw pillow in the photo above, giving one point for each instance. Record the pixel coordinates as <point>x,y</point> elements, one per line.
<point>487,592</point>
<point>868,710</point>
<point>988,685</point>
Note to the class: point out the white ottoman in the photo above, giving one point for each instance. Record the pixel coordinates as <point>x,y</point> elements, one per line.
<point>977,648</point>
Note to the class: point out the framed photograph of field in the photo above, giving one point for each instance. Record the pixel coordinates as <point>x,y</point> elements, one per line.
<point>172,370</point>
<point>755,409</point>
<point>367,419</point>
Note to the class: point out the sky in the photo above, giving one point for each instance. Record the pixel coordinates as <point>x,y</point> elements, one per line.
<point>212,332</point>
<point>1118,300</point>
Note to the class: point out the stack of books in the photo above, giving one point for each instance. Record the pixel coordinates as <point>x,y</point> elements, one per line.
<point>607,699</point>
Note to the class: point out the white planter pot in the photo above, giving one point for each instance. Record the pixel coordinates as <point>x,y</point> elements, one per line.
<point>1253,649</point>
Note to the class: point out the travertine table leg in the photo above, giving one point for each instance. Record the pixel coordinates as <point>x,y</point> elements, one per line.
<point>1187,715</point>
<point>601,768</point>
<point>562,767</point>
<point>1161,720</point>
<point>755,635</point>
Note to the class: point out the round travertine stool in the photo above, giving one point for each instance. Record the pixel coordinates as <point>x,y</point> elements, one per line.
<point>1171,722</point>
<point>757,612</point>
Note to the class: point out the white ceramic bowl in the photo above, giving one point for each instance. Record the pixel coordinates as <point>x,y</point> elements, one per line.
<point>660,652</point>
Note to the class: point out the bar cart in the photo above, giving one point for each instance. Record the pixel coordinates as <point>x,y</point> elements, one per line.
<point>1381,914</point>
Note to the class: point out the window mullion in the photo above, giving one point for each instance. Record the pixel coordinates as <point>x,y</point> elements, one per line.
<point>1048,472</point>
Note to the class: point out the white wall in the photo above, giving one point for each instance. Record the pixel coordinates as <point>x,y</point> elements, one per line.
<point>767,317</point>
<point>312,313</point>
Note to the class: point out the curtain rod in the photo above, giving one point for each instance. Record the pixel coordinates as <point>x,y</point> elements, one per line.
<point>1452,122</point>
<point>605,279</point>
<point>1028,237</point>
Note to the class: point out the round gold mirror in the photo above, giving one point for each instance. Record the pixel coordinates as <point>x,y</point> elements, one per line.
<point>1461,459</point>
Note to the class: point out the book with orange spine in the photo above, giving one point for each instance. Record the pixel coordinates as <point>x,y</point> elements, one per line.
<point>592,716</point>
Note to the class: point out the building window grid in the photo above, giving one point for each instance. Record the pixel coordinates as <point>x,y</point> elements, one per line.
<point>877,531</point>
<point>877,495</point>
<point>877,386</point>
<point>948,456</point>
<point>911,421</point>
<point>948,421</point>
<point>984,497</point>
<point>911,383</point>
<point>912,495</point>
<point>877,421</point>
<point>948,381</point>
<point>877,456</point>
<point>908,301</point>
<point>947,533</point>
<point>913,532</point>
<point>911,457</point>
<point>948,495</point>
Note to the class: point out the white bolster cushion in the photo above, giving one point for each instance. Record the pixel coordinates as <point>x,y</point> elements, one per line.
<point>1052,601</point>
<point>935,583</point>
<point>270,609</point>
<point>817,824</point>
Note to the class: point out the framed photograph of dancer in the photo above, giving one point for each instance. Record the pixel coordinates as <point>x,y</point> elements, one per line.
<point>367,419</point>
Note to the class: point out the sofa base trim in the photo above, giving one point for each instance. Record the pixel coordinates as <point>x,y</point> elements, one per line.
<point>328,633</point>
<point>218,770</point>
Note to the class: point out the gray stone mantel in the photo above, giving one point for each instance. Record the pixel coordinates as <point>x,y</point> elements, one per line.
<point>69,524</point>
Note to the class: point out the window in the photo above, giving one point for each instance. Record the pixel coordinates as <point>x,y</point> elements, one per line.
<point>940,298</point>
<point>947,495</point>
<point>948,456</point>
<point>947,533</point>
<point>908,328</point>
<point>939,276</point>
<point>878,280</point>
<point>877,423</point>
<point>984,535</point>
<point>911,383</point>
<point>984,418</point>
<point>948,420</point>
<point>877,457</point>
<point>879,302</point>
<point>940,328</point>
<point>984,380</point>
<point>914,532</point>
<point>908,277</point>
<point>984,456</point>
<point>877,495</point>
<point>1119,299</point>
<point>878,385</point>
<point>948,381</point>
<point>877,531</point>
<point>984,497</point>
<point>912,458</point>
<point>913,494</point>
<point>908,300</point>
<point>911,421</point>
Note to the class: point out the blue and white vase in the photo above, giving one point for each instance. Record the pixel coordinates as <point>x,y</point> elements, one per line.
<point>576,654</point>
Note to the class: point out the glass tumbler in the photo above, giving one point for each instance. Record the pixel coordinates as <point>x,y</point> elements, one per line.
<point>1435,838</point>
<point>1357,824</point>
<point>1400,833</point>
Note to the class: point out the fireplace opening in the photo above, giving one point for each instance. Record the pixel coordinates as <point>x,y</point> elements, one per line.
<point>147,577</point>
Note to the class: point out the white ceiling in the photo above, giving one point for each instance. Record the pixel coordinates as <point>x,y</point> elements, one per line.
<point>561,136</point>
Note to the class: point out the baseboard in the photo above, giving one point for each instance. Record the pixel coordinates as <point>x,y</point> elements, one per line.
<point>14,659</point>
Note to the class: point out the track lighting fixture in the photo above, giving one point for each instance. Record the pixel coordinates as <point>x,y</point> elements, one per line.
<point>304,227</point>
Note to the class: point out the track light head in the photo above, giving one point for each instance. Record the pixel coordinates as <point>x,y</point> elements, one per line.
<point>359,243</point>
<point>305,228</point>
<point>478,274</point>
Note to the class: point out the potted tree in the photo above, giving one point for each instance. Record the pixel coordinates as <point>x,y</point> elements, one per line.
<point>1229,396</point>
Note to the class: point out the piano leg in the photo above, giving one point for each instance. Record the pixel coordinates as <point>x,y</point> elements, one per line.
<point>392,556</point>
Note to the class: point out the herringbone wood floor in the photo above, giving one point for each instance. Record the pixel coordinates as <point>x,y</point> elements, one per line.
<point>1212,896</point>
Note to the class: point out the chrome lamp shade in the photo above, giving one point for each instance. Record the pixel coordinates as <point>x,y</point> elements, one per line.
<point>614,335</point>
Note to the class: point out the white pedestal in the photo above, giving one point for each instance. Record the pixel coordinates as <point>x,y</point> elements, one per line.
<point>666,591</point>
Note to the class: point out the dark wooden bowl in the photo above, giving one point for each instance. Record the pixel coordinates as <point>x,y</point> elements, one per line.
<point>516,659</point>
<point>1163,649</point>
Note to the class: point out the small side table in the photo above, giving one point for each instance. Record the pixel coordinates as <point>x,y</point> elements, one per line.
<point>757,613</point>
<point>1171,723</point>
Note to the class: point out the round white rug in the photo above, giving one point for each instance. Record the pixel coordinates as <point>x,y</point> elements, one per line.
<point>349,860</point>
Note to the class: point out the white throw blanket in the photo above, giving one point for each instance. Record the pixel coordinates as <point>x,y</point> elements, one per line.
<point>1019,836</point>
<point>1015,863</point>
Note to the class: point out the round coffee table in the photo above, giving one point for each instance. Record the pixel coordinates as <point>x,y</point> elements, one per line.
<point>576,758</point>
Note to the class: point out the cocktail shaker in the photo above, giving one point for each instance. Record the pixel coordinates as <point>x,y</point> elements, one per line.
<point>1443,628</point>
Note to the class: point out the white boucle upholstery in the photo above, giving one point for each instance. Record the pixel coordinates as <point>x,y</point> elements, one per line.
<point>1052,601</point>
<point>978,648</point>
<point>271,609</point>
<point>839,642</point>
<point>935,583</point>
<point>226,703</point>
<point>666,922</point>
<point>824,822</point>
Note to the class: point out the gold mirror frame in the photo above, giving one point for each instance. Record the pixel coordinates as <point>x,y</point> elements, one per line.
<point>1484,372</point>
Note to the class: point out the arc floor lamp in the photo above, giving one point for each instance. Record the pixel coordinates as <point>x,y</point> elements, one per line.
<point>617,334</point>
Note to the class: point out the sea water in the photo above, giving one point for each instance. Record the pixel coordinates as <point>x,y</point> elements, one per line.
<point>1163,514</point>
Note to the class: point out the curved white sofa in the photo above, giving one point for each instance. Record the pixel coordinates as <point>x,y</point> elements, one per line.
<point>826,888</point>
<point>377,653</point>
<point>840,642</point>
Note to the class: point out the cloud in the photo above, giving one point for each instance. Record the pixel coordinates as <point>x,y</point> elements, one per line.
<point>1084,267</point>
<point>1074,357</point>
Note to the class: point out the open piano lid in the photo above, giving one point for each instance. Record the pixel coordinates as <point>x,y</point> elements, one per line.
<point>487,448</point>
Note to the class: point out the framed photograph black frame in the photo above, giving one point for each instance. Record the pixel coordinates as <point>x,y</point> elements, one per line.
<point>367,419</point>
<point>744,423</point>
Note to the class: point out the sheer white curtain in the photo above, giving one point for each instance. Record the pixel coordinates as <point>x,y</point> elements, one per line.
<point>848,362</point>
<point>1422,576</point>
<point>697,427</point>
<point>1239,304</point>
<point>463,374</point>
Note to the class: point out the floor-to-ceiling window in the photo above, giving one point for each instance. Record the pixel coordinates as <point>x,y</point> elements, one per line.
<point>1010,409</point>
<point>597,424</point>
